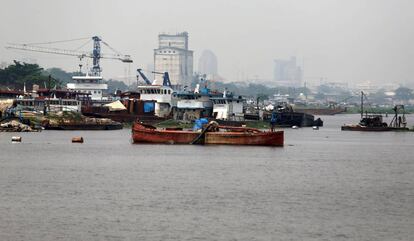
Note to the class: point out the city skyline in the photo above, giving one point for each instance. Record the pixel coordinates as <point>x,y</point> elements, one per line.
<point>352,41</point>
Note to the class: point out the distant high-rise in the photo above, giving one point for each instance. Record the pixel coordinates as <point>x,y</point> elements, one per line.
<point>207,64</point>
<point>174,57</point>
<point>287,73</point>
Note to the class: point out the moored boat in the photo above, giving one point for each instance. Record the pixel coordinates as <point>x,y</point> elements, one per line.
<point>212,134</point>
<point>374,122</point>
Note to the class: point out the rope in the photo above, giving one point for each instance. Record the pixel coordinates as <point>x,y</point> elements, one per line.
<point>58,41</point>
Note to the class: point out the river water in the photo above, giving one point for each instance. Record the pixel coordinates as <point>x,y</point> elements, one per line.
<point>322,185</point>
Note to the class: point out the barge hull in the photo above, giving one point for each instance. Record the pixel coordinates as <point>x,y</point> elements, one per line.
<point>241,138</point>
<point>377,129</point>
<point>84,127</point>
<point>145,134</point>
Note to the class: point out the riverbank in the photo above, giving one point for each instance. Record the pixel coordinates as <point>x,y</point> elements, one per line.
<point>378,110</point>
<point>67,121</point>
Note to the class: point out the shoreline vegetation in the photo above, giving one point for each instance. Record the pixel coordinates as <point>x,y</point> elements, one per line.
<point>377,110</point>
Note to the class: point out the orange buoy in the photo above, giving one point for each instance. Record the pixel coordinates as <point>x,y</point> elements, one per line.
<point>77,139</point>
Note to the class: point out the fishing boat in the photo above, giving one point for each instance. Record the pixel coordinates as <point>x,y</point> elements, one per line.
<point>374,122</point>
<point>211,134</point>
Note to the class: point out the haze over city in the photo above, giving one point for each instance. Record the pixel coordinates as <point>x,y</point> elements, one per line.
<point>340,41</point>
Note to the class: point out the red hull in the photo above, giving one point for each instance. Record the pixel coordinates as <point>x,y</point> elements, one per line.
<point>143,134</point>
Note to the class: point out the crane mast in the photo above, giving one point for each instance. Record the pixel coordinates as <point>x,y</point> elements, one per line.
<point>147,81</point>
<point>165,77</point>
<point>96,68</point>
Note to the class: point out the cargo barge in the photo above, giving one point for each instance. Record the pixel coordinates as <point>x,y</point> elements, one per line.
<point>111,126</point>
<point>212,134</point>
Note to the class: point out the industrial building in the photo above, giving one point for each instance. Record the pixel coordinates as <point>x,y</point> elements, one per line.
<point>174,57</point>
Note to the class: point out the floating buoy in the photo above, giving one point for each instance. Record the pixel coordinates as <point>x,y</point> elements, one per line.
<point>315,127</point>
<point>77,139</point>
<point>295,127</point>
<point>16,139</point>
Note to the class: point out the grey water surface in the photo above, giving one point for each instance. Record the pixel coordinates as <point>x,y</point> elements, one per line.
<point>322,185</point>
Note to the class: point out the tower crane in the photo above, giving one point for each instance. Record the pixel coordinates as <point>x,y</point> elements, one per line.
<point>96,54</point>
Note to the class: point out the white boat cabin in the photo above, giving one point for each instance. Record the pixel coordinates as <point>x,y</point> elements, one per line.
<point>228,108</point>
<point>92,85</point>
<point>191,106</point>
<point>163,95</point>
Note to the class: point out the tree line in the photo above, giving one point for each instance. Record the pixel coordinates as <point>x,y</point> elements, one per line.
<point>18,75</point>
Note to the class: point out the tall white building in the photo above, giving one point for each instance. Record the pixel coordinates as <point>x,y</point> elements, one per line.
<point>174,57</point>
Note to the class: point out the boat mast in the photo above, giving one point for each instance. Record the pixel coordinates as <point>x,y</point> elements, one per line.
<point>362,104</point>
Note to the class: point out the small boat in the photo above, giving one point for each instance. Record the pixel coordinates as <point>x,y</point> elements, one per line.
<point>212,134</point>
<point>374,122</point>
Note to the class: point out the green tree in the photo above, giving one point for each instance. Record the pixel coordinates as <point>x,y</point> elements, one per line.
<point>114,85</point>
<point>19,74</point>
<point>63,76</point>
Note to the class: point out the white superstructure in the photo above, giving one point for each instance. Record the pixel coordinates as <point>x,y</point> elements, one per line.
<point>228,108</point>
<point>163,95</point>
<point>88,84</point>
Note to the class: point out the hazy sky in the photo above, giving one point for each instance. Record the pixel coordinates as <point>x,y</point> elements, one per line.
<point>348,40</point>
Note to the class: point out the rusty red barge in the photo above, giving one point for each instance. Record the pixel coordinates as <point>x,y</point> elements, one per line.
<point>212,134</point>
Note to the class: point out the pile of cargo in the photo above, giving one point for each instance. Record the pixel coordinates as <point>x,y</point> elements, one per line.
<point>76,121</point>
<point>15,126</point>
